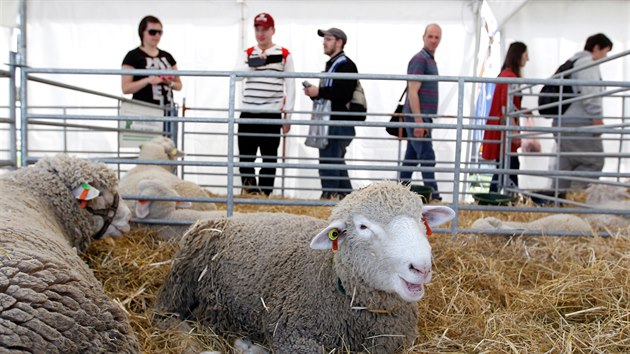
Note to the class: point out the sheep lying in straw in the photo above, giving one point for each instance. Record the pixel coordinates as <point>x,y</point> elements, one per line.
<point>50,301</point>
<point>599,196</point>
<point>559,222</point>
<point>161,148</point>
<point>168,210</point>
<point>254,274</point>
<point>608,197</point>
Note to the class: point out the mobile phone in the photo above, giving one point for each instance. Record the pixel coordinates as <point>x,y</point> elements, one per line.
<point>306,84</point>
<point>254,62</point>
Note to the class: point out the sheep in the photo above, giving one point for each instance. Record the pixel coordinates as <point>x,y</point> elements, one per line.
<point>161,148</point>
<point>254,274</point>
<point>558,222</point>
<point>608,197</point>
<point>50,301</point>
<point>168,210</point>
<point>597,195</point>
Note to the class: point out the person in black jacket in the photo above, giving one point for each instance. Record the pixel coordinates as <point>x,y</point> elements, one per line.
<point>335,182</point>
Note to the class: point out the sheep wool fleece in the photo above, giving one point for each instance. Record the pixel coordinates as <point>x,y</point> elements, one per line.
<point>50,301</point>
<point>256,275</point>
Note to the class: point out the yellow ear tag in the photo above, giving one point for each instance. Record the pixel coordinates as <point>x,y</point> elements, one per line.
<point>333,235</point>
<point>173,152</point>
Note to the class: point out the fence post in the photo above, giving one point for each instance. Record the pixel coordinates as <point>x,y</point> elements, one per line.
<point>230,147</point>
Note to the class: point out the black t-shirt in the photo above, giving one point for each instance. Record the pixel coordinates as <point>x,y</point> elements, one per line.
<point>138,59</point>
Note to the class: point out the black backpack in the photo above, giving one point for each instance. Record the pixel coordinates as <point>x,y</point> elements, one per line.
<point>553,93</point>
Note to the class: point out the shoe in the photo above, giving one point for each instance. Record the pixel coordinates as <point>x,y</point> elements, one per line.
<point>248,186</point>
<point>328,195</point>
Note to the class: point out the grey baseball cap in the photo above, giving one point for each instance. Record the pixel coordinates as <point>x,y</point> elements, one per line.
<point>335,32</point>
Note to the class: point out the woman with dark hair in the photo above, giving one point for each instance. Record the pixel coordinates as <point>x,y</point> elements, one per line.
<point>494,140</point>
<point>152,89</point>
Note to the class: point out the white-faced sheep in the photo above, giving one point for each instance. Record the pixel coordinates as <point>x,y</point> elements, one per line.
<point>161,148</point>
<point>254,274</point>
<point>50,301</point>
<point>168,210</point>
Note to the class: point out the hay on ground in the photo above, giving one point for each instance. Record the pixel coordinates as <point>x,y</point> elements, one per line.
<point>495,294</point>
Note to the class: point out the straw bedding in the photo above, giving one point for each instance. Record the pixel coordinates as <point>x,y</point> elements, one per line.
<point>495,294</point>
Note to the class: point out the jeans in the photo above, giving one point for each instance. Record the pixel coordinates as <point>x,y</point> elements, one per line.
<point>336,181</point>
<point>420,152</point>
<point>248,146</point>
<point>514,165</point>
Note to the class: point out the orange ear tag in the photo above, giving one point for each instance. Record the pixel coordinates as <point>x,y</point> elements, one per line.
<point>86,190</point>
<point>426,224</point>
<point>333,235</point>
<point>142,202</point>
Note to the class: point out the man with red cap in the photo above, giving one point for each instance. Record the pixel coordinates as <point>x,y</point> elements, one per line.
<point>263,98</point>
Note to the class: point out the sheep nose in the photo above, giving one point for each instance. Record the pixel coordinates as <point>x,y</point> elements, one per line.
<point>425,270</point>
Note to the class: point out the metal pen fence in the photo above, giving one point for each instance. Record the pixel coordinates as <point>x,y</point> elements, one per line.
<point>457,172</point>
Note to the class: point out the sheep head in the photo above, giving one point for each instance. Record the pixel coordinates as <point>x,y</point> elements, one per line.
<point>96,209</point>
<point>381,235</point>
<point>603,193</point>
<point>157,208</point>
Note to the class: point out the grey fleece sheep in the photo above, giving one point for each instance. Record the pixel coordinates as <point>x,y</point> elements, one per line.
<point>255,275</point>
<point>161,148</point>
<point>168,210</point>
<point>50,301</point>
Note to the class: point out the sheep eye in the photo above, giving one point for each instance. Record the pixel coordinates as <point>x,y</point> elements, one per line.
<point>363,227</point>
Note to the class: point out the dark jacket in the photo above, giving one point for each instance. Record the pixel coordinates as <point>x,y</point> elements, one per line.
<point>340,92</point>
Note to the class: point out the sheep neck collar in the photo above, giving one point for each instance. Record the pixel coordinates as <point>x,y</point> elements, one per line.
<point>342,291</point>
<point>340,287</point>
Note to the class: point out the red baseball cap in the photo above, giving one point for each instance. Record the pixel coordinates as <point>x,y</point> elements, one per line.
<point>264,19</point>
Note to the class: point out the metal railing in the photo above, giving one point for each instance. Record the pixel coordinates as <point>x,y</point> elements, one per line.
<point>223,167</point>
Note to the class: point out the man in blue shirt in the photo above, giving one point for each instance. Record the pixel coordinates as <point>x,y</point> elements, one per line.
<point>422,97</point>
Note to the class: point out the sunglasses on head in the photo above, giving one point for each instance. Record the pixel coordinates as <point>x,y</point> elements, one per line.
<point>153,32</point>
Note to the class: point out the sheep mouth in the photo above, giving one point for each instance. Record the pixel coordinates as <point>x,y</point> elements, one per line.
<point>415,290</point>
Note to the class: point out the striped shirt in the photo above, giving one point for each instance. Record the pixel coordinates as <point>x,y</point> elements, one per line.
<point>268,93</point>
<point>423,63</point>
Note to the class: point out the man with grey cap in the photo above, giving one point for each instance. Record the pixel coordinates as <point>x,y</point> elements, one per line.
<point>335,183</point>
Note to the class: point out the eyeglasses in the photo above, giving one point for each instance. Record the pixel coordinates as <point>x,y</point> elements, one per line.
<point>153,32</point>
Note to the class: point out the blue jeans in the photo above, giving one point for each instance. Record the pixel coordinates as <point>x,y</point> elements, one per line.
<point>336,181</point>
<point>420,152</point>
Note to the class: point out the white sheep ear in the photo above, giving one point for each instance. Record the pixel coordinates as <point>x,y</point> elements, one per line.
<point>321,241</point>
<point>85,192</point>
<point>183,205</point>
<point>174,153</point>
<point>142,208</point>
<point>437,215</point>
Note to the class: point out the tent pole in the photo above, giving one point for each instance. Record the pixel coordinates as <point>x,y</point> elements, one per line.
<point>477,12</point>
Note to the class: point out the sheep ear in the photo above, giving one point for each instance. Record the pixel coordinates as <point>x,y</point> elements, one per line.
<point>142,208</point>
<point>85,192</point>
<point>183,205</point>
<point>437,215</point>
<point>321,241</point>
<point>174,153</point>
